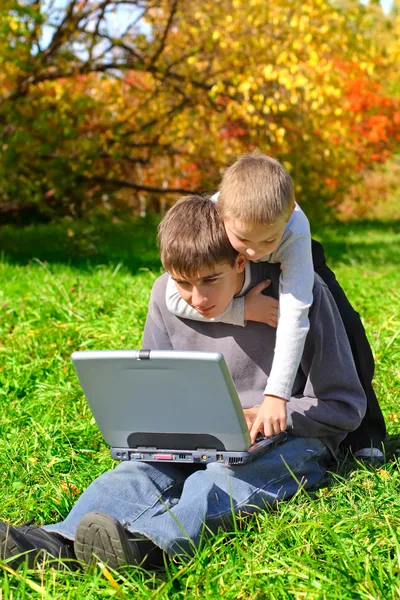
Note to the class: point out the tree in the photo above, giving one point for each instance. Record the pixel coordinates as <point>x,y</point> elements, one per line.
<point>161,108</point>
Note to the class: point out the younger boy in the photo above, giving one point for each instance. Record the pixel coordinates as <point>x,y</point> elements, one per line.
<point>263,222</point>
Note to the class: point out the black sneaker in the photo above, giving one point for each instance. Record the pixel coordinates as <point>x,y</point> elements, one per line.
<point>372,456</point>
<point>18,544</point>
<point>101,536</point>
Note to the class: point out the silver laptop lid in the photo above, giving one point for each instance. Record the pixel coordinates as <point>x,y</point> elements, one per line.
<point>163,399</point>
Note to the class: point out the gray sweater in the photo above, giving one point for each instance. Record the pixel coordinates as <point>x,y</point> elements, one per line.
<point>327,400</point>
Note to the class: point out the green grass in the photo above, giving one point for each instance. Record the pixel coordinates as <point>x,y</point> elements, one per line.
<point>78,286</point>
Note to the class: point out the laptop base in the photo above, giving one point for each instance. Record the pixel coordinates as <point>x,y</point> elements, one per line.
<point>200,455</point>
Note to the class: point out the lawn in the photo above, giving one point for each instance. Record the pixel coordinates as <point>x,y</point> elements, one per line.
<point>86,286</point>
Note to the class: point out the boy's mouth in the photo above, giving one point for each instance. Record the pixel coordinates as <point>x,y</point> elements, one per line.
<point>204,310</point>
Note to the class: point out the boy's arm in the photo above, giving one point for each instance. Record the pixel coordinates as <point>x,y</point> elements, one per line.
<point>295,298</point>
<point>233,314</point>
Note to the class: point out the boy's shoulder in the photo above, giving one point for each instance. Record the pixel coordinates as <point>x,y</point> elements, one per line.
<point>296,237</point>
<point>158,289</point>
<point>298,223</point>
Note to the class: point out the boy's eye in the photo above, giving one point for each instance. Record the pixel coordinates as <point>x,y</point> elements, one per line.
<point>213,280</point>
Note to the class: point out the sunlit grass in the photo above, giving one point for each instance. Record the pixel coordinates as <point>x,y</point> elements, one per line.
<point>90,289</point>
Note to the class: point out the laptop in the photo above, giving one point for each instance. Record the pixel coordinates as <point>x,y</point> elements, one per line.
<point>168,406</point>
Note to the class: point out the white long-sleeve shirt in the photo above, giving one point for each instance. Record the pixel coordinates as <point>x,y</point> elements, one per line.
<point>295,298</point>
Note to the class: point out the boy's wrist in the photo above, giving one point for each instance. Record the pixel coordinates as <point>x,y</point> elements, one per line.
<point>267,396</point>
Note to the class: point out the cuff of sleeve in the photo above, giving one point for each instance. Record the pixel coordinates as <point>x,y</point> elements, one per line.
<point>272,390</point>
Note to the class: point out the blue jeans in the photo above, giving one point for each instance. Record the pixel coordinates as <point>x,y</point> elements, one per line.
<point>175,505</point>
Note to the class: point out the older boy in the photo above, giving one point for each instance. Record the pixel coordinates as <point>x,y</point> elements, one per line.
<point>136,507</point>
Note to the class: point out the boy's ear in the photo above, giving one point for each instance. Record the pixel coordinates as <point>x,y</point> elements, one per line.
<point>241,261</point>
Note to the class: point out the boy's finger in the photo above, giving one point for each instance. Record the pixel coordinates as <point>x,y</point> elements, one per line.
<point>264,284</point>
<point>273,429</point>
<point>253,435</point>
<point>257,289</point>
<point>268,430</point>
<point>254,430</point>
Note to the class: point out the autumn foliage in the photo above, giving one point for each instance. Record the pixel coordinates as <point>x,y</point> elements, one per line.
<point>99,106</point>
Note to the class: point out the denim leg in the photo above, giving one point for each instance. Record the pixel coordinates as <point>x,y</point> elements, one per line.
<point>209,498</point>
<point>174,504</point>
<point>127,492</point>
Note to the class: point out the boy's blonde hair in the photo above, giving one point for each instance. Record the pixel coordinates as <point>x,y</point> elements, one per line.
<point>192,236</point>
<point>256,190</point>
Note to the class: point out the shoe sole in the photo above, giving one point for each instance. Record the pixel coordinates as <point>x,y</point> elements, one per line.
<point>9,549</point>
<point>102,536</point>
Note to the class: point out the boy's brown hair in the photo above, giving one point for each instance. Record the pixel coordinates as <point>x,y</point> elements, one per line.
<point>256,190</point>
<point>192,236</point>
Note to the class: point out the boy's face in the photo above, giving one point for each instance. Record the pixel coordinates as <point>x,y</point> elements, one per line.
<point>211,289</point>
<point>254,241</point>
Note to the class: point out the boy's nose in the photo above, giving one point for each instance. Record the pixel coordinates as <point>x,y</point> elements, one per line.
<point>251,252</point>
<point>198,299</point>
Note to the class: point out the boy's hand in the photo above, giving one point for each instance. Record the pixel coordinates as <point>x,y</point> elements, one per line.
<point>250,415</point>
<point>258,307</point>
<point>270,419</point>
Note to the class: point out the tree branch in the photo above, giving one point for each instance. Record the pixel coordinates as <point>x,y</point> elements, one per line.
<point>136,186</point>
<point>161,46</point>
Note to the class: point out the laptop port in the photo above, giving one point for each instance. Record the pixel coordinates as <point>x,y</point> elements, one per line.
<point>163,456</point>
<point>235,460</point>
<point>220,457</point>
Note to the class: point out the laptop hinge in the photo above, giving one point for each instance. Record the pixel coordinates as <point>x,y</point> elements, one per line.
<point>144,355</point>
